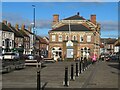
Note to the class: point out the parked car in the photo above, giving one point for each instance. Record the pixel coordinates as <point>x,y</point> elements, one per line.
<point>1,57</point>
<point>107,58</point>
<point>31,57</point>
<point>10,56</point>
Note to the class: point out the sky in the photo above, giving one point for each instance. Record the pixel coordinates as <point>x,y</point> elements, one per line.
<point>22,13</point>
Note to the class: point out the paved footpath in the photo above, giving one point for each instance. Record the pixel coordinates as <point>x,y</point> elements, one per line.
<point>99,75</point>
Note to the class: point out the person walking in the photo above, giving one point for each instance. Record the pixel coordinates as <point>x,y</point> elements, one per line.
<point>94,59</point>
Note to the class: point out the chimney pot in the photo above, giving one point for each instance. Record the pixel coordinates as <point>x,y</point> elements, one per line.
<point>9,24</point>
<point>16,26</point>
<point>23,27</point>
<point>55,18</point>
<point>5,22</point>
<point>29,28</point>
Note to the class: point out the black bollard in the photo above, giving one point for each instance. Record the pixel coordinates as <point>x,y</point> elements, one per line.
<point>83,65</point>
<point>80,66</point>
<point>66,82</point>
<point>72,72</point>
<point>38,81</point>
<point>77,74</point>
<point>38,73</point>
<point>38,77</point>
<point>85,62</point>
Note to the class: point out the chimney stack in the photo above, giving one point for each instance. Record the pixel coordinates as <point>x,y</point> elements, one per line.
<point>17,26</point>
<point>29,28</point>
<point>93,19</point>
<point>5,22</point>
<point>55,18</point>
<point>23,27</point>
<point>9,24</point>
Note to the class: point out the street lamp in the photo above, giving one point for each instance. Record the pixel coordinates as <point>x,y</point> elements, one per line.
<point>38,57</point>
<point>34,30</point>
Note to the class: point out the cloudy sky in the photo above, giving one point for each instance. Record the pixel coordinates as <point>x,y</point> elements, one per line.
<point>22,13</point>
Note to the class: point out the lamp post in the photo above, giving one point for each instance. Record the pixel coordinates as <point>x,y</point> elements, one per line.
<point>38,57</point>
<point>34,30</point>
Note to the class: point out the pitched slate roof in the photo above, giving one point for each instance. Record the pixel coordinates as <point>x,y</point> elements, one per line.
<point>16,32</point>
<point>23,32</point>
<point>42,40</point>
<point>108,40</point>
<point>29,31</point>
<point>5,27</point>
<point>75,17</point>
<point>77,27</point>
<point>117,43</point>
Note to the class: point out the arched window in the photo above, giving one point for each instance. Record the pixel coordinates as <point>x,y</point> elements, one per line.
<point>74,38</point>
<point>53,48</point>
<point>60,38</point>
<point>3,43</point>
<point>60,49</point>
<point>53,38</point>
<point>81,38</point>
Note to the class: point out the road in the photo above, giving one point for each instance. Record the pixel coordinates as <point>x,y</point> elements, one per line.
<point>99,75</point>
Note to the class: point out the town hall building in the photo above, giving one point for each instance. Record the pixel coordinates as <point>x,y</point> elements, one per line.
<point>74,37</point>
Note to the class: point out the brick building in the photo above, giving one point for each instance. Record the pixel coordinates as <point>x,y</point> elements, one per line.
<point>18,37</point>
<point>74,37</point>
<point>109,46</point>
<point>26,40</point>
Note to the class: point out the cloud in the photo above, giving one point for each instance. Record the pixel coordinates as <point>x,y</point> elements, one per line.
<point>109,25</point>
<point>43,23</point>
<point>109,29</point>
<point>14,18</point>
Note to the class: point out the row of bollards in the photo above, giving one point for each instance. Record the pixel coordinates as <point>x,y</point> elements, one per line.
<point>80,68</point>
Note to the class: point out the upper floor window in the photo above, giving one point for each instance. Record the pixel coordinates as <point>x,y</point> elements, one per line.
<point>10,44</point>
<point>60,38</point>
<point>53,38</point>
<point>66,38</point>
<point>74,38</point>
<point>112,47</point>
<point>3,43</point>
<point>88,38</point>
<point>3,34</point>
<point>81,38</point>
<point>108,46</point>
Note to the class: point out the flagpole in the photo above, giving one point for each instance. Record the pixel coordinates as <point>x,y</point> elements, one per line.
<point>69,31</point>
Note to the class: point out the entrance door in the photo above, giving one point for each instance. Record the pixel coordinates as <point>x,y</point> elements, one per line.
<point>69,53</point>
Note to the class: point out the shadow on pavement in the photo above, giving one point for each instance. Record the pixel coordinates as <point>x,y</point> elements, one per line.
<point>114,64</point>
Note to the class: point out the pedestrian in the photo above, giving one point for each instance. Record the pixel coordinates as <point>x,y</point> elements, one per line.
<point>94,59</point>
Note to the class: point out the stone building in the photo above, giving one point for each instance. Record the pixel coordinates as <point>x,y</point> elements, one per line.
<point>74,37</point>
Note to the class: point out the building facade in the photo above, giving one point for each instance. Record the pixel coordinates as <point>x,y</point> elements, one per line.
<point>43,47</point>
<point>7,38</point>
<point>0,39</point>
<point>18,38</point>
<point>74,37</point>
<point>26,41</point>
<point>109,46</point>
